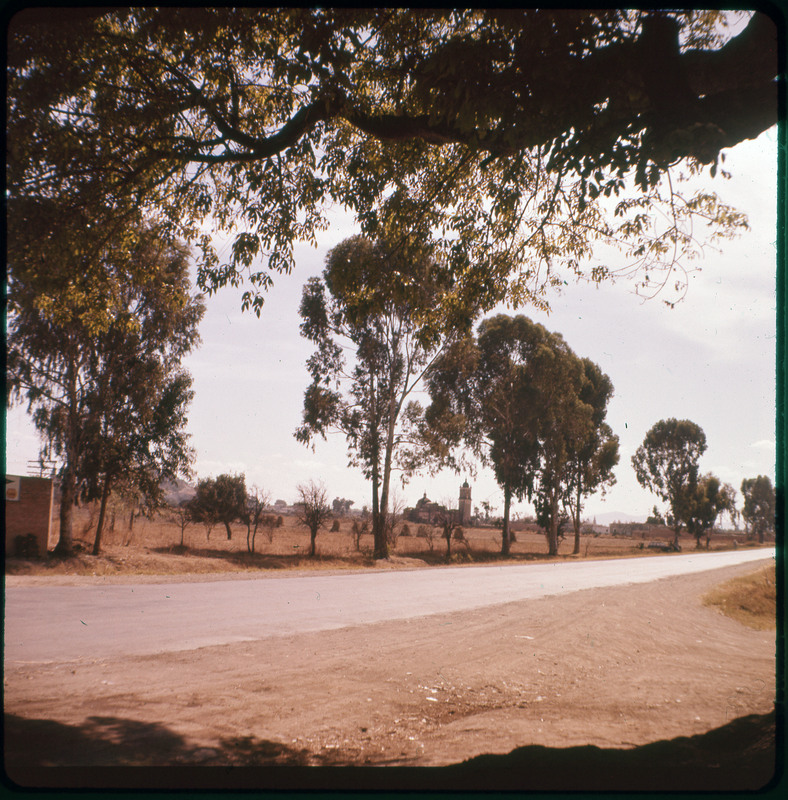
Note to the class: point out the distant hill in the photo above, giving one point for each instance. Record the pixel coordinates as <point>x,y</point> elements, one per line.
<point>177,492</point>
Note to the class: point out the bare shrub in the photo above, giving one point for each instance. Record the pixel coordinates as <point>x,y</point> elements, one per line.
<point>405,530</point>
<point>252,514</point>
<point>335,526</point>
<point>269,523</point>
<point>358,531</point>
<point>314,511</point>
<point>427,532</point>
<point>393,518</point>
<point>181,516</point>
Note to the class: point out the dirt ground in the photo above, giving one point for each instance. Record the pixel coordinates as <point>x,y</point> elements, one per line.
<point>634,687</point>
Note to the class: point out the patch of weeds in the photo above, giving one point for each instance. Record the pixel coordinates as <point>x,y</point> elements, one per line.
<point>750,599</point>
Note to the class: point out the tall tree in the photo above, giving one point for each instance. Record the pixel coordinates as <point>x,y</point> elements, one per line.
<point>667,464</point>
<point>135,434</point>
<point>525,404</point>
<point>376,305</point>
<point>95,340</point>
<point>592,457</point>
<point>516,138</point>
<point>706,501</point>
<point>220,499</point>
<point>485,393</point>
<point>564,424</point>
<point>760,504</point>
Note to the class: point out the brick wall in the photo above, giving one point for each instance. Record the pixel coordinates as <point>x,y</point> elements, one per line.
<point>28,509</point>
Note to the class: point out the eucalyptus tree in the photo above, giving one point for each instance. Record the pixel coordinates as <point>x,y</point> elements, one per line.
<point>517,138</point>
<point>592,457</point>
<point>709,498</point>
<point>372,320</point>
<point>666,463</point>
<point>134,430</point>
<point>565,428</point>
<point>96,334</point>
<point>483,395</point>
<point>520,399</point>
<point>760,506</point>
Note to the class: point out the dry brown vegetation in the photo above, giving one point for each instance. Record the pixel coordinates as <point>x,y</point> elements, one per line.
<point>750,599</point>
<point>153,547</point>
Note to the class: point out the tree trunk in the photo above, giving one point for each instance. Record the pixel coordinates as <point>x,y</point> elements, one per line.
<point>229,532</point>
<point>676,537</point>
<point>381,539</point>
<point>65,544</point>
<point>313,534</point>
<point>68,486</point>
<point>552,538</point>
<point>378,520</point>
<point>102,512</point>
<point>505,540</point>
<point>380,545</point>
<point>576,521</point>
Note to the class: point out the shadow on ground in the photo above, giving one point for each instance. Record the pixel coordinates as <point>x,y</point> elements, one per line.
<point>109,752</point>
<point>242,558</point>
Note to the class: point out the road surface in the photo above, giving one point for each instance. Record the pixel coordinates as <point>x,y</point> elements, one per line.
<point>64,623</point>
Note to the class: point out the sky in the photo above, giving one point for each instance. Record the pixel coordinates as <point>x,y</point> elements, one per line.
<point>711,359</point>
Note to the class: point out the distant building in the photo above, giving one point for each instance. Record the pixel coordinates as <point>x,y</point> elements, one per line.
<point>425,512</point>
<point>428,513</point>
<point>589,529</point>
<point>465,504</point>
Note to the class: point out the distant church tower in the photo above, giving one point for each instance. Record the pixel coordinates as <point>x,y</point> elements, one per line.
<point>465,503</point>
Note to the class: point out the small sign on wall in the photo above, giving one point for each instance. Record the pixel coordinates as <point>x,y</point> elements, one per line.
<point>13,485</point>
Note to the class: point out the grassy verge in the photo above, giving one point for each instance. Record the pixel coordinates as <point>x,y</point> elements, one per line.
<point>751,599</point>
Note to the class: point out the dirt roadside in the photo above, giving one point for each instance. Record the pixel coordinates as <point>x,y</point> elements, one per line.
<point>615,668</point>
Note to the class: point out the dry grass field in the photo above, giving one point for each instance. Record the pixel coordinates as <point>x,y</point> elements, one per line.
<point>153,547</point>
<point>750,599</point>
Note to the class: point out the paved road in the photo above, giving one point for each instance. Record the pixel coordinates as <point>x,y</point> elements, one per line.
<point>64,623</point>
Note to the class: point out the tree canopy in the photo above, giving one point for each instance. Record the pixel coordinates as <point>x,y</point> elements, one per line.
<point>510,140</point>
<point>667,464</point>
<point>525,404</point>
<point>372,321</point>
<point>220,500</point>
<point>591,455</point>
<point>704,503</point>
<point>95,340</point>
<point>760,505</point>
<point>312,510</point>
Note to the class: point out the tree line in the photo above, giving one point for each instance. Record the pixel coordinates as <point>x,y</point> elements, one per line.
<point>513,395</point>
<point>101,375</point>
<point>226,499</point>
